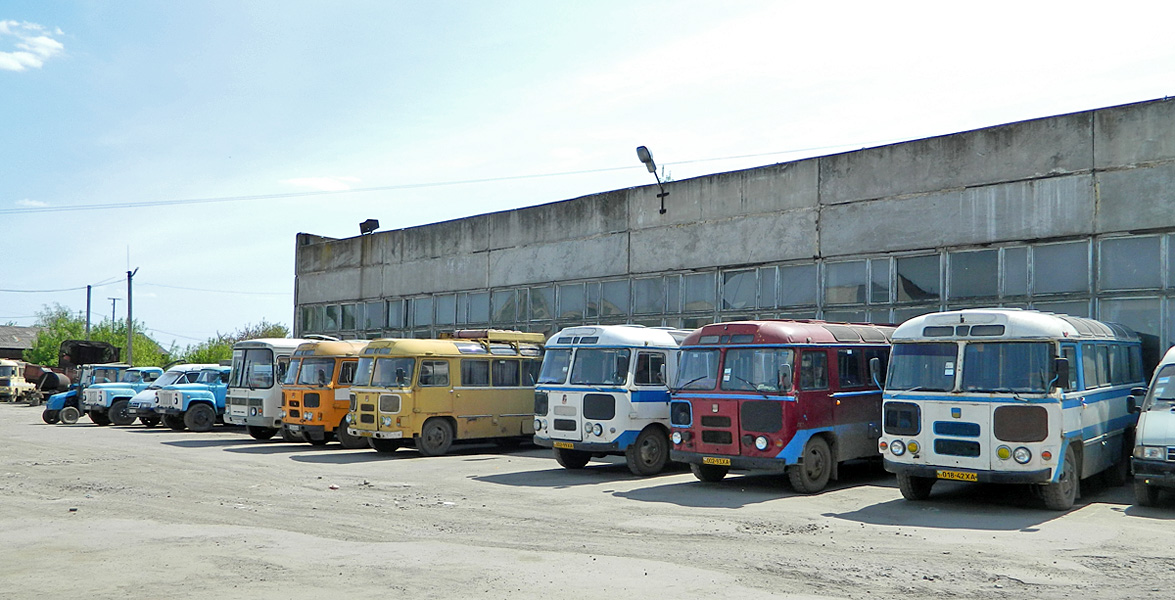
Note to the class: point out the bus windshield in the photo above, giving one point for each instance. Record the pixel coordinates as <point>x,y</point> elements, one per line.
<point>556,363</point>
<point>316,371</point>
<point>252,368</point>
<point>922,367</point>
<point>7,371</point>
<point>292,372</point>
<point>698,370</point>
<point>1006,366</point>
<point>393,372</point>
<point>600,366</point>
<point>1162,393</point>
<point>754,369</point>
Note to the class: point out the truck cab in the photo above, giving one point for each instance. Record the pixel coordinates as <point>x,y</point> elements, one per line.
<point>107,403</point>
<point>13,386</point>
<point>198,405</point>
<point>66,407</point>
<point>143,404</point>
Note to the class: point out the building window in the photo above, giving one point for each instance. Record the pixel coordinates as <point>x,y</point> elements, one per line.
<point>739,289</point>
<point>1076,308</point>
<point>1139,314</point>
<point>673,294</point>
<point>505,306</point>
<point>879,281</point>
<point>1016,271</point>
<point>1130,263</point>
<point>374,316</point>
<point>614,298</point>
<point>479,307</point>
<point>844,282</point>
<point>797,285</point>
<point>330,321</point>
<point>974,274</point>
<point>396,314</point>
<point>918,278</point>
<point>648,296</point>
<point>446,309</point>
<point>348,319</point>
<point>311,319</point>
<point>697,293</point>
<point>422,311</point>
<point>767,294</point>
<point>1060,268</point>
<point>571,301</point>
<point>542,303</point>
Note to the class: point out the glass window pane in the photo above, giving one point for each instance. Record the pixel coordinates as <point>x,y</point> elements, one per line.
<point>698,292</point>
<point>648,296</point>
<point>311,318</point>
<point>673,294</point>
<point>542,303</point>
<point>879,281</point>
<point>974,274</point>
<point>844,283</point>
<point>614,300</point>
<point>1077,308</point>
<point>797,285</point>
<point>462,308</point>
<point>905,313</point>
<point>479,307</point>
<point>395,314</point>
<point>331,320</point>
<point>422,311</point>
<point>1016,271</point>
<point>918,278</point>
<point>446,307</point>
<point>571,301</point>
<point>846,316</point>
<point>739,289</point>
<point>593,300</point>
<point>1130,264</point>
<point>504,306</point>
<point>1058,268</point>
<point>375,316</point>
<point>767,287</point>
<point>348,317</point>
<point>1139,314</point>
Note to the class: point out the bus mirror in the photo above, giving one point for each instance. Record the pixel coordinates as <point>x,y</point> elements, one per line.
<point>784,377</point>
<point>875,370</point>
<point>1061,372</point>
<point>661,374</point>
<point>322,378</point>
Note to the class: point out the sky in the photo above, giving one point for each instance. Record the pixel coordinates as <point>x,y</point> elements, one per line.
<point>192,140</point>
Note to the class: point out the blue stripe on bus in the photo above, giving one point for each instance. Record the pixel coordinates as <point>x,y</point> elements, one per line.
<point>733,397</point>
<point>653,395</point>
<point>790,453</point>
<point>849,394</point>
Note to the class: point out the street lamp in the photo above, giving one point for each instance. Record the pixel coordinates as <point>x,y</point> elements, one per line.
<point>647,158</point>
<point>368,226</point>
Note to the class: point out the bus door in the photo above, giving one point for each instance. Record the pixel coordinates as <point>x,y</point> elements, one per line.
<point>345,377</point>
<point>812,392</point>
<point>856,404</point>
<point>434,394</point>
<point>473,403</point>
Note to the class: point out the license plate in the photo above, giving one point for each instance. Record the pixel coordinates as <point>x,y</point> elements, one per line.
<point>237,412</point>
<point>565,445</point>
<point>295,428</point>
<point>711,460</point>
<point>394,435</point>
<point>957,475</point>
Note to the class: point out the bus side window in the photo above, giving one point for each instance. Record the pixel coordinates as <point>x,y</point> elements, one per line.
<point>505,373</point>
<point>1089,366</point>
<point>347,373</point>
<point>1070,353</point>
<point>648,368</point>
<point>814,371</point>
<point>848,368</point>
<point>531,368</point>
<point>475,373</point>
<point>434,373</point>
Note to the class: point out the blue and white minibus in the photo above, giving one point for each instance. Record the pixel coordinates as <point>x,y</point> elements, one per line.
<point>1009,396</point>
<point>602,391</point>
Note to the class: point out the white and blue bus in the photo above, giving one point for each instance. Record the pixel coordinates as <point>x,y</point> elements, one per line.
<point>602,391</point>
<point>1009,396</point>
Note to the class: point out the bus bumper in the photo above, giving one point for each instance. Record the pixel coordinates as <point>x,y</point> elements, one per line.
<point>745,463</point>
<point>611,447</point>
<point>312,432</point>
<point>931,472</point>
<point>1154,472</point>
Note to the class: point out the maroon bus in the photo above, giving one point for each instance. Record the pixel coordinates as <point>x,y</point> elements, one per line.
<point>785,396</point>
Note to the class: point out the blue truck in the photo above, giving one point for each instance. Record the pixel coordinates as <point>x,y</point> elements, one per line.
<point>195,406</point>
<point>144,403</point>
<point>107,403</point>
<point>66,407</point>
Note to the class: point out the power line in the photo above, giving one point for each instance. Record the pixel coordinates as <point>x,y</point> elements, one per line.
<point>192,289</point>
<point>72,289</point>
<point>174,334</point>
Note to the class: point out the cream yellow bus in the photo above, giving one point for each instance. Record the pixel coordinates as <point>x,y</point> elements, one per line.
<point>470,385</point>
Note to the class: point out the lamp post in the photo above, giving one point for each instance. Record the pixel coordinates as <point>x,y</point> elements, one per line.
<point>647,158</point>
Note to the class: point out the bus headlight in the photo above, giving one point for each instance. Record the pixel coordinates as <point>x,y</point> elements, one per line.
<point>281,414</point>
<point>598,429</point>
<point>387,421</point>
<point>1022,455</point>
<point>587,427</point>
<point>538,425</point>
<point>1003,452</point>
<point>760,443</point>
<point>897,447</point>
<point>309,416</point>
<point>676,437</point>
<point>253,412</point>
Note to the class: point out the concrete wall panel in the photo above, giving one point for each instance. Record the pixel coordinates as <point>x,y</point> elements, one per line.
<point>1134,134</point>
<point>1135,199</point>
<point>760,238</point>
<point>572,219</point>
<point>339,285</point>
<point>596,257</point>
<point>445,274</point>
<point>449,238</point>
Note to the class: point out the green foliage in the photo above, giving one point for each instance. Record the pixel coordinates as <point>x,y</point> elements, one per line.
<point>220,347</point>
<point>60,325</point>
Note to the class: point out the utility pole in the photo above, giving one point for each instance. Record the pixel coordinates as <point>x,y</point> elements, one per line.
<point>113,308</point>
<point>88,289</point>
<point>130,327</point>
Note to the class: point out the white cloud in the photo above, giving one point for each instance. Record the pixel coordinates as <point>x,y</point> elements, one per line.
<point>324,184</point>
<point>33,45</point>
<point>31,203</point>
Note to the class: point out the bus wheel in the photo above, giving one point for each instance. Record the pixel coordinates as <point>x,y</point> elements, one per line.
<point>118,413</point>
<point>383,446</point>
<point>174,422</point>
<point>200,418</point>
<point>572,459</point>
<point>914,488</point>
<point>435,437</point>
<point>348,440</point>
<point>1062,494</point>
<point>50,416</point>
<point>1145,495</point>
<point>709,473</point>
<point>258,432</point>
<point>149,421</point>
<point>70,415</point>
<point>811,475</point>
<point>649,453</point>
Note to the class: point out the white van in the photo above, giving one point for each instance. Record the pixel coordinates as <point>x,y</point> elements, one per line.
<point>1154,442</point>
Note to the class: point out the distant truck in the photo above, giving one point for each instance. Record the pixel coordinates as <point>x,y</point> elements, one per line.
<point>66,407</point>
<point>143,404</point>
<point>198,405</point>
<point>107,403</point>
<point>13,387</point>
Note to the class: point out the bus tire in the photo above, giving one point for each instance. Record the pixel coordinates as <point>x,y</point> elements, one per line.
<point>1145,495</point>
<point>383,446</point>
<point>258,432</point>
<point>99,418</point>
<point>50,416</point>
<point>812,474</point>
<point>1062,494</point>
<point>347,440</point>
<point>435,437</point>
<point>70,415</point>
<point>149,421</point>
<point>118,413</point>
<point>709,473</point>
<point>914,488</point>
<point>200,418</point>
<point>572,459</point>
<point>649,453</point>
<point>174,422</point>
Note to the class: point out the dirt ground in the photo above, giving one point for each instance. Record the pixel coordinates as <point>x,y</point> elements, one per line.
<point>131,512</point>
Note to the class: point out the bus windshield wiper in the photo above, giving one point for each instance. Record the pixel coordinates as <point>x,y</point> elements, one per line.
<point>752,386</point>
<point>686,384</point>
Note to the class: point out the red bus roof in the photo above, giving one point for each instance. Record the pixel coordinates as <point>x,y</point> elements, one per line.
<point>789,332</point>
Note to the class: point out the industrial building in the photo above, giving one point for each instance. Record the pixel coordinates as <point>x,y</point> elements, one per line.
<point>1070,214</point>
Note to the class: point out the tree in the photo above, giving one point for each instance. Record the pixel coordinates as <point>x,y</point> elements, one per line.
<point>60,324</point>
<point>220,347</point>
